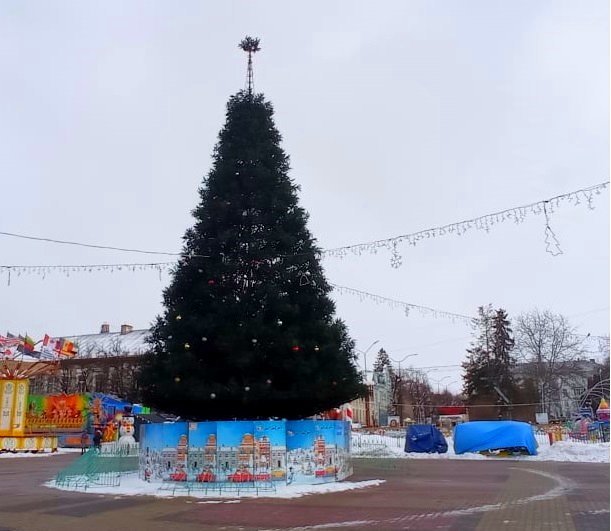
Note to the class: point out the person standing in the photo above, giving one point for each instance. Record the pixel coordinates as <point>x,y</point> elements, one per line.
<point>84,441</point>
<point>97,441</point>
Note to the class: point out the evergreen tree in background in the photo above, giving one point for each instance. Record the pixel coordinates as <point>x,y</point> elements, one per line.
<point>489,361</point>
<point>477,368</point>
<point>382,360</point>
<point>502,357</point>
<point>249,329</point>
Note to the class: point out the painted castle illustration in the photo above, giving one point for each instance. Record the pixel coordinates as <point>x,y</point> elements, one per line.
<point>255,458</point>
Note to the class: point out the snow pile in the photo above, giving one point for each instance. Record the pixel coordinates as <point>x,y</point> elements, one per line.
<point>60,451</point>
<point>365,445</point>
<point>132,485</point>
<point>575,452</point>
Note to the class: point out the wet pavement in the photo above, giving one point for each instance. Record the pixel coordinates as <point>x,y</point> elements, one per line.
<point>417,494</point>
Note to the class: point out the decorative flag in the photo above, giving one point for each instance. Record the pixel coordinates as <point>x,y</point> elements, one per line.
<point>21,345</point>
<point>67,349</point>
<point>9,341</point>
<point>50,347</point>
<point>28,344</point>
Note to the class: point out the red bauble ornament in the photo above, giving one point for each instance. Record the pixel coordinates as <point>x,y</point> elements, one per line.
<point>296,348</point>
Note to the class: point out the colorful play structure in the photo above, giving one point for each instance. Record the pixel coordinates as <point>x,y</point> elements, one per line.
<point>15,433</point>
<point>69,415</point>
<point>36,423</point>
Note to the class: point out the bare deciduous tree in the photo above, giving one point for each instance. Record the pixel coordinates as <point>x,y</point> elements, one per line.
<point>415,391</point>
<point>548,349</point>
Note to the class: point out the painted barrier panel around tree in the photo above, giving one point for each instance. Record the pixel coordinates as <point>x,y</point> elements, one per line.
<point>240,452</point>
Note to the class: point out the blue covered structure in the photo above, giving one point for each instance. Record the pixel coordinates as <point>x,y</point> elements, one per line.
<point>483,435</point>
<point>425,438</point>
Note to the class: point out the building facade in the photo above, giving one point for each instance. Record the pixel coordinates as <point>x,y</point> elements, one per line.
<point>106,363</point>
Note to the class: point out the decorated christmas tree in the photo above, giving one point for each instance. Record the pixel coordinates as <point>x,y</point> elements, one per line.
<point>249,329</point>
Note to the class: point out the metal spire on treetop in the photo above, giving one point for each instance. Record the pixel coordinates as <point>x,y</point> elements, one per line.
<point>250,45</point>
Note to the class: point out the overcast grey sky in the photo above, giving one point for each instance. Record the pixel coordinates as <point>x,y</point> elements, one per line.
<point>398,116</point>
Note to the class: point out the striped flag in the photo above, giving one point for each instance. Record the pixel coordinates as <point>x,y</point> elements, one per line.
<point>28,344</point>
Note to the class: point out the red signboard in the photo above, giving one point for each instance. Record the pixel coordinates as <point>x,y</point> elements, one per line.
<point>452,410</point>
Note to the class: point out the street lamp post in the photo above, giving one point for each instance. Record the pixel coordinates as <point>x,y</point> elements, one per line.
<point>399,397</point>
<point>368,421</point>
<point>450,383</point>
<point>439,381</point>
<point>402,360</point>
<point>364,353</point>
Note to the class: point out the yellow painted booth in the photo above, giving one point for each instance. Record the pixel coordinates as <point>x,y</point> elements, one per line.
<point>14,389</point>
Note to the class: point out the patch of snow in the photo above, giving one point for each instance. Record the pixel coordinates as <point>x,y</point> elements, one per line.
<point>575,452</point>
<point>60,451</point>
<point>132,485</point>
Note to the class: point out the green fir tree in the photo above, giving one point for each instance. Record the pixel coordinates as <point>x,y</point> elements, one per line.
<point>382,360</point>
<point>249,330</point>
<point>489,362</point>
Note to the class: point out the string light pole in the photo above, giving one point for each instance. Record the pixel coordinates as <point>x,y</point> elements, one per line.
<point>250,45</point>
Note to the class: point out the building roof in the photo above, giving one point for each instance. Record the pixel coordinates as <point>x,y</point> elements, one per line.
<point>112,344</point>
<point>580,367</point>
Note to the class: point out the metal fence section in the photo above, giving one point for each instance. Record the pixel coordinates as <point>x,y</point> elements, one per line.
<point>220,487</point>
<point>589,434</point>
<point>100,467</point>
<point>378,443</point>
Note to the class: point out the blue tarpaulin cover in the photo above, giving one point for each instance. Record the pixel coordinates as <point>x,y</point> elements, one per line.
<point>424,438</point>
<point>478,436</point>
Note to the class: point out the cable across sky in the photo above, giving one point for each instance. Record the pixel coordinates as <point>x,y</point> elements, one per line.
<point>516,214</point>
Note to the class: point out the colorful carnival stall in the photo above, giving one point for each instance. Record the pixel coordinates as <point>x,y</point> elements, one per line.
<point>69,415</point>
<point>15,434</point>
<point>42,422</point>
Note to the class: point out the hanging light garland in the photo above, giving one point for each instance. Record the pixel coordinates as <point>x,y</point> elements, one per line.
<point>486,222</point>
<point>552,245</point>
<point>44,270</point>
<point>407,307</point>
<point>516,214</point>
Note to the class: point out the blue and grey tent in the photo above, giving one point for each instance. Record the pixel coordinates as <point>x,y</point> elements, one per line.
<point>424,438</point>
<point>490,435</point>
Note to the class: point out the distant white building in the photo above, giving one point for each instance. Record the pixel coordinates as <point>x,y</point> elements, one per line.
<point>565,391</point>
<point>372,410</point>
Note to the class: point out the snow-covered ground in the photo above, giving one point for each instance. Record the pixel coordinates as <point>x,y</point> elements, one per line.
<point>364,445</point>
<point>60,451</point>
<point>132,485</point>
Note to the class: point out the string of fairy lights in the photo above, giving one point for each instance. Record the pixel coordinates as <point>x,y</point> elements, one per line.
<point>407,307</point>
<point>546,207</point>
<point>517,214</point>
